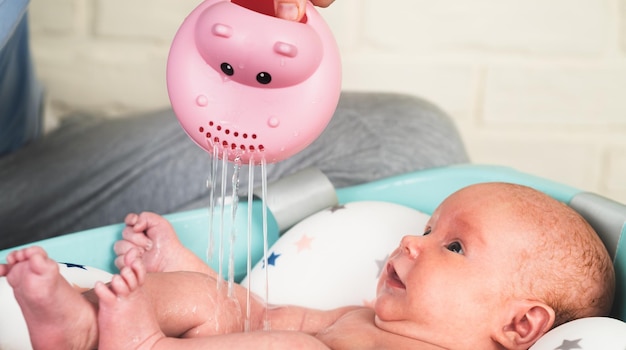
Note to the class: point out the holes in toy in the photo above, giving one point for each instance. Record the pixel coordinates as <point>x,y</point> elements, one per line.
<point>229,139</point>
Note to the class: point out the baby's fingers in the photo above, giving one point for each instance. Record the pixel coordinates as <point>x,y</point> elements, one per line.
<point>119,262</point>
<point>138,239</point>
<point>121,247</point>
<point>126,252</point>
<point>131,219</point>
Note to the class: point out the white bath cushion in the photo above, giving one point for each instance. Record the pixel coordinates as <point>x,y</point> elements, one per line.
<point>334,257</point>
<point>585,333</point>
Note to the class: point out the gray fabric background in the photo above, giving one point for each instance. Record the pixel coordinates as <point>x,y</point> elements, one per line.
<point>91,171</point>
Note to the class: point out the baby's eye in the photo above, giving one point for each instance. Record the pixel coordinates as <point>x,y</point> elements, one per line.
<point>427,231</point>
<point>455,247</point>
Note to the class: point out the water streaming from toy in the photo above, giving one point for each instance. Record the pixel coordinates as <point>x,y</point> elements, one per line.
<point>251,89</point>
<point>249,242</point>
<point>233,231</point>
<point>212,183</point>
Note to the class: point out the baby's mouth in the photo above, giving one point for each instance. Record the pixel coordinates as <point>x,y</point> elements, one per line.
<point>393,280</point>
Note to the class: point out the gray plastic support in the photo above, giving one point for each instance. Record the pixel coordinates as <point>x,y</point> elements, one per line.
<point>297,196</point>
<point>607,217</point>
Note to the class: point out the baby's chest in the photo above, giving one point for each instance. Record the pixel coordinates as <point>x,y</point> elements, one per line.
<point>350,332</point>
<point>347,335</point>
<point>356,330</point>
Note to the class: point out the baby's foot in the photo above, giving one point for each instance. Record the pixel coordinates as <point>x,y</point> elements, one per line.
<point>157,246</point>
<point>126,319</point>
<point>57,316</point>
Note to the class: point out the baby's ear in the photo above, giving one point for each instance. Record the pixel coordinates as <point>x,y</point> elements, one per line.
<point>526,321</point>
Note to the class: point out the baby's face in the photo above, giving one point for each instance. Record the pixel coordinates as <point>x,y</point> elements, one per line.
<point>447,286</point>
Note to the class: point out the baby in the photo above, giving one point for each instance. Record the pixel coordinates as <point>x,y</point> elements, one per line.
<point>497,266</point>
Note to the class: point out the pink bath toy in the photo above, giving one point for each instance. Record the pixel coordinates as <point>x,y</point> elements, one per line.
<point>250,84</point>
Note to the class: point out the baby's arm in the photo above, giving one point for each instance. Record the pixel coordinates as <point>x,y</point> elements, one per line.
<point>151,238</point>
<point>288,317</point>
<point>275,340</point>
<point>311,321</point>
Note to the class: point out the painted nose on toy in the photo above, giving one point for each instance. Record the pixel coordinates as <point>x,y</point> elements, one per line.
<point>249,86</point>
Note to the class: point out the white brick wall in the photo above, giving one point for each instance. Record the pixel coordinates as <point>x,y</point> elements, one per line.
<point>537,85</point>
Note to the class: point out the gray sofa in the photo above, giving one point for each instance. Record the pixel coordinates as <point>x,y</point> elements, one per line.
<point>93,171</point>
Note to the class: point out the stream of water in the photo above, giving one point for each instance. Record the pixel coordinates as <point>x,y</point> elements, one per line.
<point>218,207</point>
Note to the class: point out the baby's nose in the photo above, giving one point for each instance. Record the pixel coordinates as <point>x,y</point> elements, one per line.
<point>410,246</point>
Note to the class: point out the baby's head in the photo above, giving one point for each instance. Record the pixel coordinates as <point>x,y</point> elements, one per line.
<point>498,266</point>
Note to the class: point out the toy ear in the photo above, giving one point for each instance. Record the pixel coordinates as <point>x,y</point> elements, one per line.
<point>527,322</point>
<point>222,30</point>
<point>285,49</point>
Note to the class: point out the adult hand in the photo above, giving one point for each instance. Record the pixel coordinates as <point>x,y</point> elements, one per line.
<point>294,9</point>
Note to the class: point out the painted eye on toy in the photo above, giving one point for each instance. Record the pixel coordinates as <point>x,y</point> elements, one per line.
<point>264,78</point>
<point>227,69</point>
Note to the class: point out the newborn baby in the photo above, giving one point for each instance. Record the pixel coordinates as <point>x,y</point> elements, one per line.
<point>497,266</point>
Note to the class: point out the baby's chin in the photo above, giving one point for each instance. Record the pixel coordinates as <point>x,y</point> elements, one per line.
<point>381,310</point>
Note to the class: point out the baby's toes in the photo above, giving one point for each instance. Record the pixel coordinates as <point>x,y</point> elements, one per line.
<point>40,264</point>
<point>104,293</point>
<point>129,279</point>
<point>118,285</point>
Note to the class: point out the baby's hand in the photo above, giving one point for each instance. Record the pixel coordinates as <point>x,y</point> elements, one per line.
<point>150,238</point>
<point>136,235</point>
<point>294,9</point>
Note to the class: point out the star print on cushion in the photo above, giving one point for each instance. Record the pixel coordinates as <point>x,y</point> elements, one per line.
<point>271,259</point>
<point>304,243</point>
<point>70,265</point>
<point>336,208</point>
<point>342,250</point>
<point>569,344</point>
<point>381,265</point>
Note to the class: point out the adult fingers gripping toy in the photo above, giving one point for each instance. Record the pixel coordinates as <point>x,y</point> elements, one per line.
<point>247,85</point>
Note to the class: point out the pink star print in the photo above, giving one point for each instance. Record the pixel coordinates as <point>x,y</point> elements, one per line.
<point>304,243</point>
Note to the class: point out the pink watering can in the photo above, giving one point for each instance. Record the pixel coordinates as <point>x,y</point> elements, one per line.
<point>247,85</point>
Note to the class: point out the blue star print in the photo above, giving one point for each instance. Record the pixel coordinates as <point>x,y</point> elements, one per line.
<point>70,265</point>
<point>271,259</point>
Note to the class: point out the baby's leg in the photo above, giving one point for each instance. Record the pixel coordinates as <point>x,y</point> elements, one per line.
<point>57,316</point>
<point>184,304</point>
<point>126,319</point>
<point>157,246</point>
